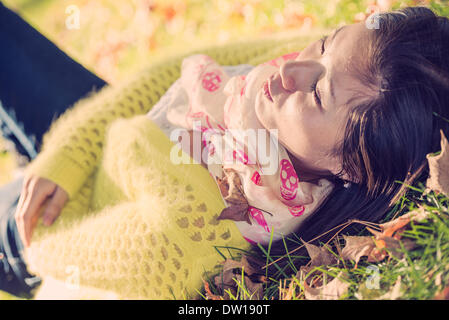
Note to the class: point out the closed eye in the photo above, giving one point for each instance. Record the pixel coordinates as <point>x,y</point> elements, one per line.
<point>316,94</point>
<point>323,41</point>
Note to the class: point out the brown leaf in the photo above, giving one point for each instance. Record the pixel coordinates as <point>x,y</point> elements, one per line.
<point>310,274</point>
<point>385,242</point>
<point>319,256</point>
<point>331,291</point>
<point>231,272</point>
<point>235,194</point>
<point>255,289</point>
<point>236,212</point>
<point>230,264</point>
<point>395,227</point>
<point>357,247</point>
<point>231,189</point>
<point>209,294</point>
<point>439,168</point>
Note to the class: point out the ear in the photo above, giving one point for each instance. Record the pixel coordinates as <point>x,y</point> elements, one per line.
<point>335,167</point>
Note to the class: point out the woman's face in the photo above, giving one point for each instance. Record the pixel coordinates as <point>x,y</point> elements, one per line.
<point>311,121</point>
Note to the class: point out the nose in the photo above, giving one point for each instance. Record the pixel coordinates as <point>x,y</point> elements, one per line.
<point>301,75</point>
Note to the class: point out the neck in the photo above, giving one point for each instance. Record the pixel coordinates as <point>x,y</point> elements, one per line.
<point>305,173</point>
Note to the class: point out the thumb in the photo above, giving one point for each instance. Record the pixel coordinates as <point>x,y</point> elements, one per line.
<point>54,206</point>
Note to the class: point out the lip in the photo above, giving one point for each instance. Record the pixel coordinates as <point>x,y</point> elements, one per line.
<point>267,91</point>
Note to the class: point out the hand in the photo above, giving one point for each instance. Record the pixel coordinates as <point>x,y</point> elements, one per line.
<point>38,194</point>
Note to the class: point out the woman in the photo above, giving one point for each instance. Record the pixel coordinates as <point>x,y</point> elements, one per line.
<point>388,85</point>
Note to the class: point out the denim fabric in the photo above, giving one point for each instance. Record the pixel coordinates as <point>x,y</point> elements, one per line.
<point>14,277</point>
<point>38,82</point>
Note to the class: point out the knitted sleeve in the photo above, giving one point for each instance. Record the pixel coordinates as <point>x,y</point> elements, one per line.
<point>73,145</point>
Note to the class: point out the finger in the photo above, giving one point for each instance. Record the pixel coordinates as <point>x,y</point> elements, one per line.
<point>54,206</point>
<point>23,195</point>
<point>32,205</point>
<point>19,209</point>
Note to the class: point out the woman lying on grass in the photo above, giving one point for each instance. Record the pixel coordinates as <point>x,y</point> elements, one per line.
<point>355,112</point>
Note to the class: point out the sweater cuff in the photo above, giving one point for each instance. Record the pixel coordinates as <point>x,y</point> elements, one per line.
<point>59,168</point>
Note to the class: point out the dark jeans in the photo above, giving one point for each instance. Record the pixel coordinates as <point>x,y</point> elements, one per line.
<point>38,82</point>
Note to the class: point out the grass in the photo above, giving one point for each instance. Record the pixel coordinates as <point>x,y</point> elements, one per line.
<point>114,43</point>
<point>422,273</point>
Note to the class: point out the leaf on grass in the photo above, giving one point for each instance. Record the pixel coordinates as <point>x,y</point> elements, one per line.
<point>357,247</point>
<point>439,168</point>
<point>330,291</point>
<point>375,248</point>
<point>209,294</point>
<point>320,256</point>
<point>249,265</point>
<point>388,238</point>
<point>255,289</point>
<point>231,275</point>
<point>394,228</point>
<point>231,189</point>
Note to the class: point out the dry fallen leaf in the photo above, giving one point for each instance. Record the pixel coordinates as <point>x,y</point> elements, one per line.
<point>439,168</point>
<point>231,274</point>
<point>395,227</point>
<point>330,291</point>
<point>209,294</point>
<point>388,238</point>
<point>357,247</point>
<point>319,256</point>
<point>231,189</point>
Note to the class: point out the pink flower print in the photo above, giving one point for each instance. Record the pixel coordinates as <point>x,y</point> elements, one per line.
<point>258,216</point>
<point>242,91</point>
<point>289,180</point>
<point>256,178</point>
<point>211,81</point>
<point>296,211</point>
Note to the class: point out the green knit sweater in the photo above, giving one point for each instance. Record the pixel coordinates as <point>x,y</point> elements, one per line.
<point>135,224</point>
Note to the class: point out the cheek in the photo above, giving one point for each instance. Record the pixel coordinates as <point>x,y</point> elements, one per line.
<point>305,134</point>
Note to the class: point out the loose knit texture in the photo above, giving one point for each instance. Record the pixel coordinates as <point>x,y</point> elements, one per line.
<point>135,224</point>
